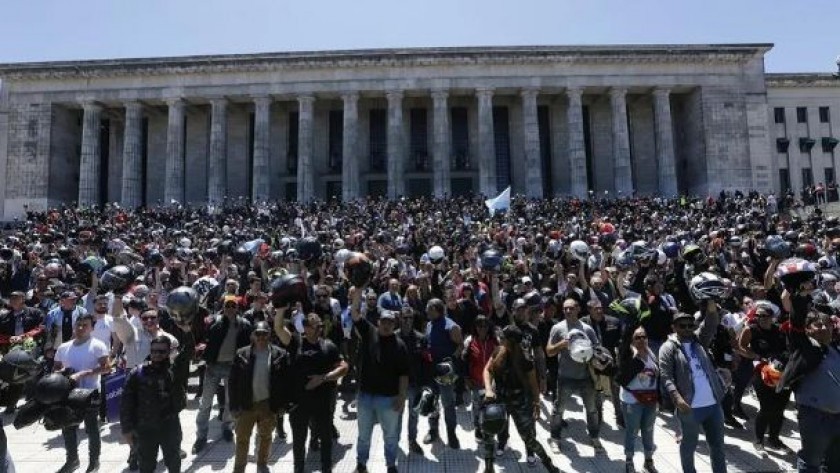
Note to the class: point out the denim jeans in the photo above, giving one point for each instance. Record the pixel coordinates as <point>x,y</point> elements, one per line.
<point>373,409</point>
<point>214,374</point>
<point>446,392</point>
<point>412,394</point>
<point>586,389</point>
<point>477,400</point>
<point>638,417</point>
<point>71,440</point>
<point>820,433</point>
<point>711,419</point>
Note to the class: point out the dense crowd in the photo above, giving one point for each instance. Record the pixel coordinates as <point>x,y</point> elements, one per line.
<point>652,304</point>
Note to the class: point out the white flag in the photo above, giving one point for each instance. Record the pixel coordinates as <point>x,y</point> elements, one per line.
<point>500,202</point>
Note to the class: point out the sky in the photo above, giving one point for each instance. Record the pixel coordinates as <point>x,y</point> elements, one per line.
<point>806,33</point>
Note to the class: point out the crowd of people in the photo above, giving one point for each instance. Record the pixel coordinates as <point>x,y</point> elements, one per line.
<point>655,305</point>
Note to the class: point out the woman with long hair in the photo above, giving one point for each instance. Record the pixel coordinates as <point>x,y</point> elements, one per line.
<point>510,378</point>
<point>638,376</point>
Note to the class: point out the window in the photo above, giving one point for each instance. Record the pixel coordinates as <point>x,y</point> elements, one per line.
<point>782,145</point>
<point>336,141</point>
<point>801,115</point>
<point>825,115</point>
<point>460,138</point>
<point>807,177</point>
<point>292,147</point>
<point>829,175</point>
<point>419,138</point>
<point>784,180</point>
<point>779,114</point>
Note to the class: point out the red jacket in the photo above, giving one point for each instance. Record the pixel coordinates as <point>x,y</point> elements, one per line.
<point>477,354</point>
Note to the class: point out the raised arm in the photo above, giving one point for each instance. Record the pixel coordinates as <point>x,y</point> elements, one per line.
<point>280,326</point>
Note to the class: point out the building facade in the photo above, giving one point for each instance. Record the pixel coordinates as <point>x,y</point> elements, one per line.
<point>549,121</point>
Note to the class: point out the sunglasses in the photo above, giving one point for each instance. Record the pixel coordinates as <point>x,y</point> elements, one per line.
<point>685,326</point>
<point>322,296</point>
<point>159,352</point>
<point>148,318</point>
<point>640,337</point>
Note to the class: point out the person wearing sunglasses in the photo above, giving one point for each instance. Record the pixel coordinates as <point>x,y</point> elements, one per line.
<point>689,376</point>
<point>638,377</point>
<point>153,396</point>
<point>257,394</point>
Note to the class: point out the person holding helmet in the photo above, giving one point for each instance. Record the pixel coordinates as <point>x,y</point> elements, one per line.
<point>419,376</point>
<point>691,380</point>
<point>445,345</point>
<point>569,341</point>
<point>510,378</point>
<point>764,344</point>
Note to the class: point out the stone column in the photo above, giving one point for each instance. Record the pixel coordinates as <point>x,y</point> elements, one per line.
<point>621,143</point>
<point>486,143</point>
<point>441,151</point>
<point>531,131</point>
<point>349,148</point>
<point>261,172</point>
<point>174,190</point>
<point>216,179</point>
<point>132,170</point>
<point>396,148</point>
<point>577,147</point>
<point>305,176</point>
<point>89,168</point>
<point>665,162</point>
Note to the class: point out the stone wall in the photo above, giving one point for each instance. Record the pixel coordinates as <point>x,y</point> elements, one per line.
<point>643,144</point>
<point>115,159</point>
<point>27,170</point>
<point>600,125</point>
<point>690,146</point>
<point>65,155</point>
<point>156,156</point>
<point>727,141</point>
<point>197,149</point>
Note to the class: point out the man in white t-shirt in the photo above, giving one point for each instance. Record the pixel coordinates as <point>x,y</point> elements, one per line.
<point>87,358</point>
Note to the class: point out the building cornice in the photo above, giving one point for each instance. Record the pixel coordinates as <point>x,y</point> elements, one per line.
<point>411,57</point>
<point>816,79</point>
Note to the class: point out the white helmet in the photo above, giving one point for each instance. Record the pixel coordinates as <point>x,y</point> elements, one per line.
<point>581,349</point>
<point>436,254</point>
<point>707,286</point>
<point>185,242</point>
<point>579,249</point>
<point>662,258</point>
<point>342,255</point>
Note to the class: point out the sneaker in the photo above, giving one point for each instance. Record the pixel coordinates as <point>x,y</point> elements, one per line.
<point>479,436</point>
<point>182,453</point>
<point>552,469</point>
<point>281,434</point>
<point>93,466</point>
<point>734,423</point>
<point>554,445</point>
<point>776,444</point>
<point>133,464</point>
<point>227,434</point>
<point>532,460</point>
<point>262,468</point>
<point>629,467</point>
<point>500,450</point>
<point>738,411</point>
<point>649,468</point>
<point>199,445</point>
<point>415,447</point>
<point>10,410</point>
<point>392,469</point>
<point>619,421</point>
<point>314,445</point>
<point>563,423</point>
<point>596,443</point>
<point>454,444</point>
<point>70,466</point>
<point>759,449</point>
<point>431,437</point>
<point>361,468</point>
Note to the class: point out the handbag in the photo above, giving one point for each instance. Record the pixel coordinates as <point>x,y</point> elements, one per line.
<point>646,397</point>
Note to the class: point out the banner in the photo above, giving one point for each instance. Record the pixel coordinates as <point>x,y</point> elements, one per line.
<point>113,394</point>
<point>500,202</point>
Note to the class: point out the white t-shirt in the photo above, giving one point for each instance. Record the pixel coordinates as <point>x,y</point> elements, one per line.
<point>703,395</point>
<point>102,330</point>
<point>83,357</point>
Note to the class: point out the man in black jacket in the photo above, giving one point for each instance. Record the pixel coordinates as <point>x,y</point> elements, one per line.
<point>228,333</point>
<point>257,394</point>
<point>153,396</point>
<point>18,324</point>
<point>813,372</point>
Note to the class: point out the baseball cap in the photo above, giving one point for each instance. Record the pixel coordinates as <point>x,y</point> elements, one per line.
<point>527,279</point>
<point>388,314</point>
<point>69,295</point>
<point>683,315</point>
<point>262,326</point>
<point>519,303</point>
<point>17,294</point>
<point>233,299</point>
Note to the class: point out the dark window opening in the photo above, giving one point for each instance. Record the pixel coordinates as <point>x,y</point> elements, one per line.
<point>336,141</point>
<point>801,115</point>
<point>460,138</point>
<point>779,114</point>
<point>292,148</point>
<point>501,137</point>
<point>419,138</point>
<point>825,115</point>
<point>378,128</point>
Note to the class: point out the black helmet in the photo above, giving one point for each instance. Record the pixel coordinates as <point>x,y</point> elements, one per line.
<point>445,373</point>
<point>242,255</point>
<point>426,403</point>
<point>17,367</point>
<point>81,399</point>
<point>309,249</point>
<point>288,289</point>
<point>53,388</point>
<point>359,269</point>
<point>62,417</point>
<point>493,417</point>
<point>182,304</point>
<point>116,279</point>
<point>491,260</point>
<point>155,258</point>
<point>29,413</point>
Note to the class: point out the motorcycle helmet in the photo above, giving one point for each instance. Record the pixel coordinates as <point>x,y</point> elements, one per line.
<point>116,279</point>
<point>493,417</point>
<point>795,271</point>
<point>491,260</point>
<point>309,249</point>
<point>359,269</point>
<point>579,250</point>
<point>61,417</point>
<point>436,254</point>
<point>18,366</point>
<point>53,388</point>
<point>288,289</point>
<point>182,304</point>
<point>777,247</point>
<point>29,413</point>
<point>445,373</point>
<point>427,402</point>
<point>707,286</point>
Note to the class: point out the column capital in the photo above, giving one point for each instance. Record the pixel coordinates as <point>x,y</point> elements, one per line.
<point>218,101</point>
<point>91,106</point>
<point>618,92</point>
<point>484,92</point>
<point>350,96</point>
<point>574,92</point>
<point>264,100</point>
<point>661,91</point>
<point>133,105</point>
<point>394,95</point>
<point>306,99</point>
<point>529,92</point>
<point>174,101</point>
<point>440,94</point>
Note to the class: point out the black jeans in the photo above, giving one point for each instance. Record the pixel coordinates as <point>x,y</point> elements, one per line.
<point>317,410</point>
<point>771,410</point>
<point>521,410</point>
<point>71,439</point>
<point>165,436</point>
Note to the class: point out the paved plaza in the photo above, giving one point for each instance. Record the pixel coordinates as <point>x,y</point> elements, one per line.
<point>35,449</point>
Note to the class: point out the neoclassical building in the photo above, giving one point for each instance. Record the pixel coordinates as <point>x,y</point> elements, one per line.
<point>547,120</point>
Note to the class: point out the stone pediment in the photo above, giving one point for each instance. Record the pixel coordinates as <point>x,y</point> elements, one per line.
<point>412,57</point>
